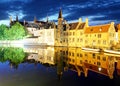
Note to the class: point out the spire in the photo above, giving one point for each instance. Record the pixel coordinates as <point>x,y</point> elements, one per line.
<point>10,19</point>
<point>16,18</point>
<point>47,18</point>
<point>24,22</point>
<point>60,13</point>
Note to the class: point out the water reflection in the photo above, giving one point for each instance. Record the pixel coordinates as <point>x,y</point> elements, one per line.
<point>15,56</point>
<point>75,59</point>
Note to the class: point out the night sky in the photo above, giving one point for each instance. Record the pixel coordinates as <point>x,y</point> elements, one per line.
<point>97,11</point>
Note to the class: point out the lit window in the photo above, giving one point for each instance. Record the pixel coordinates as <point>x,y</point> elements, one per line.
<point>104,58</point>
<point>72,54</point>
<point>80,55</point>
<point>99,35</point>
<point>98,63</point>
<point>100,29</point>
<point>98,57</point>
<point>80,61</point>
<point>104,42</point>
<point>99,41</point>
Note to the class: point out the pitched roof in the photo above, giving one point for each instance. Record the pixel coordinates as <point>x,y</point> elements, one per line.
<point>81,26</point>
<point>97,29</point>
<point>45,25</point>
<point>73,25</point>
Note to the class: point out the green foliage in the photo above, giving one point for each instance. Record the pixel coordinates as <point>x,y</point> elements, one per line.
<point>15,55</point>
<point>15,32</point>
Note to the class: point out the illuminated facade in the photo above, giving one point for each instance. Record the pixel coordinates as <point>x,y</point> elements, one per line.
<point>100,36</point>
<point>77,34</point>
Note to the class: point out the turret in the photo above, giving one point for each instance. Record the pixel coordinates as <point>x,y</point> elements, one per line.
<point>80,20</point>
<point>47,19</point>
<point>16,18</point>
<point>10,19</point>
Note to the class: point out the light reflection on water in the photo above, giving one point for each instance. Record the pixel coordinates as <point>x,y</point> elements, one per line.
<point>72,66</point>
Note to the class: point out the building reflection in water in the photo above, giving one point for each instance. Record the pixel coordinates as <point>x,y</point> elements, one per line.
<point>77,60</point>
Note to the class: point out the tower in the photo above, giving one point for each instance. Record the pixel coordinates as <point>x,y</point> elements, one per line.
<point>10,19</point>
<point>16,18</point>
<point>47,18</point>
<point>59,35</point>
<point>60,18</point>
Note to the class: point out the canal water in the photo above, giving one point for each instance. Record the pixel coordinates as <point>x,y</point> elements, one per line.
<point>57,66</point>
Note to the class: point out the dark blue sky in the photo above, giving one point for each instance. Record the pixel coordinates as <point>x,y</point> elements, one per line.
<point>97,11</point>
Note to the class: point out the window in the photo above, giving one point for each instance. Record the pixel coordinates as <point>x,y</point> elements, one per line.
<point>77,54</point>
<point>72,54</point>
<point>85,54</point>
<point>94,55</point>
<point>81,33</point>
<point>100,29</point>
<point>99,35</point>
<point>86,61</point>
<point>81,40</point>
<point>63,52</point>
<point>91,29</point>
<point>98,63</point>
<point>80,61</point>
<point>93,40</point>
<point>73,60</point>
<point>98,57</point>
<point>77,39</point>
<point>69,53</point>
<point>73,33</point>
<point>95,35</point>
<point>99,41</point>
<point>80,55</point>
<point>73,39</point>
<point>104,58</point>
<point>104,42</point>
<point>86,41</point>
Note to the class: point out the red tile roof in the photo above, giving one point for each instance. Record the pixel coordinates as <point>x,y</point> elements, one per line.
<point>97,29</point>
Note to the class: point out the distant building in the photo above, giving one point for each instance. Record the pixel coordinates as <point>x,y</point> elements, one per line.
<point>12,22</point>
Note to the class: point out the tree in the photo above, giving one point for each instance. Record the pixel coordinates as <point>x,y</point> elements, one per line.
<point>15,32</point>
<point>2,31</point>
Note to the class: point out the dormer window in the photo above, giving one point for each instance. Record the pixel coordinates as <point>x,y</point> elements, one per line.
<point>91,29</point>
<point>100,29</point>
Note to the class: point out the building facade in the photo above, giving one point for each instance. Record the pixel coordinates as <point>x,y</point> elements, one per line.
<point>100,36</point>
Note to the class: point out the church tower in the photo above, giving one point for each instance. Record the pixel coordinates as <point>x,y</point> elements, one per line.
<point>60,18</point>
<point>59,35</point>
